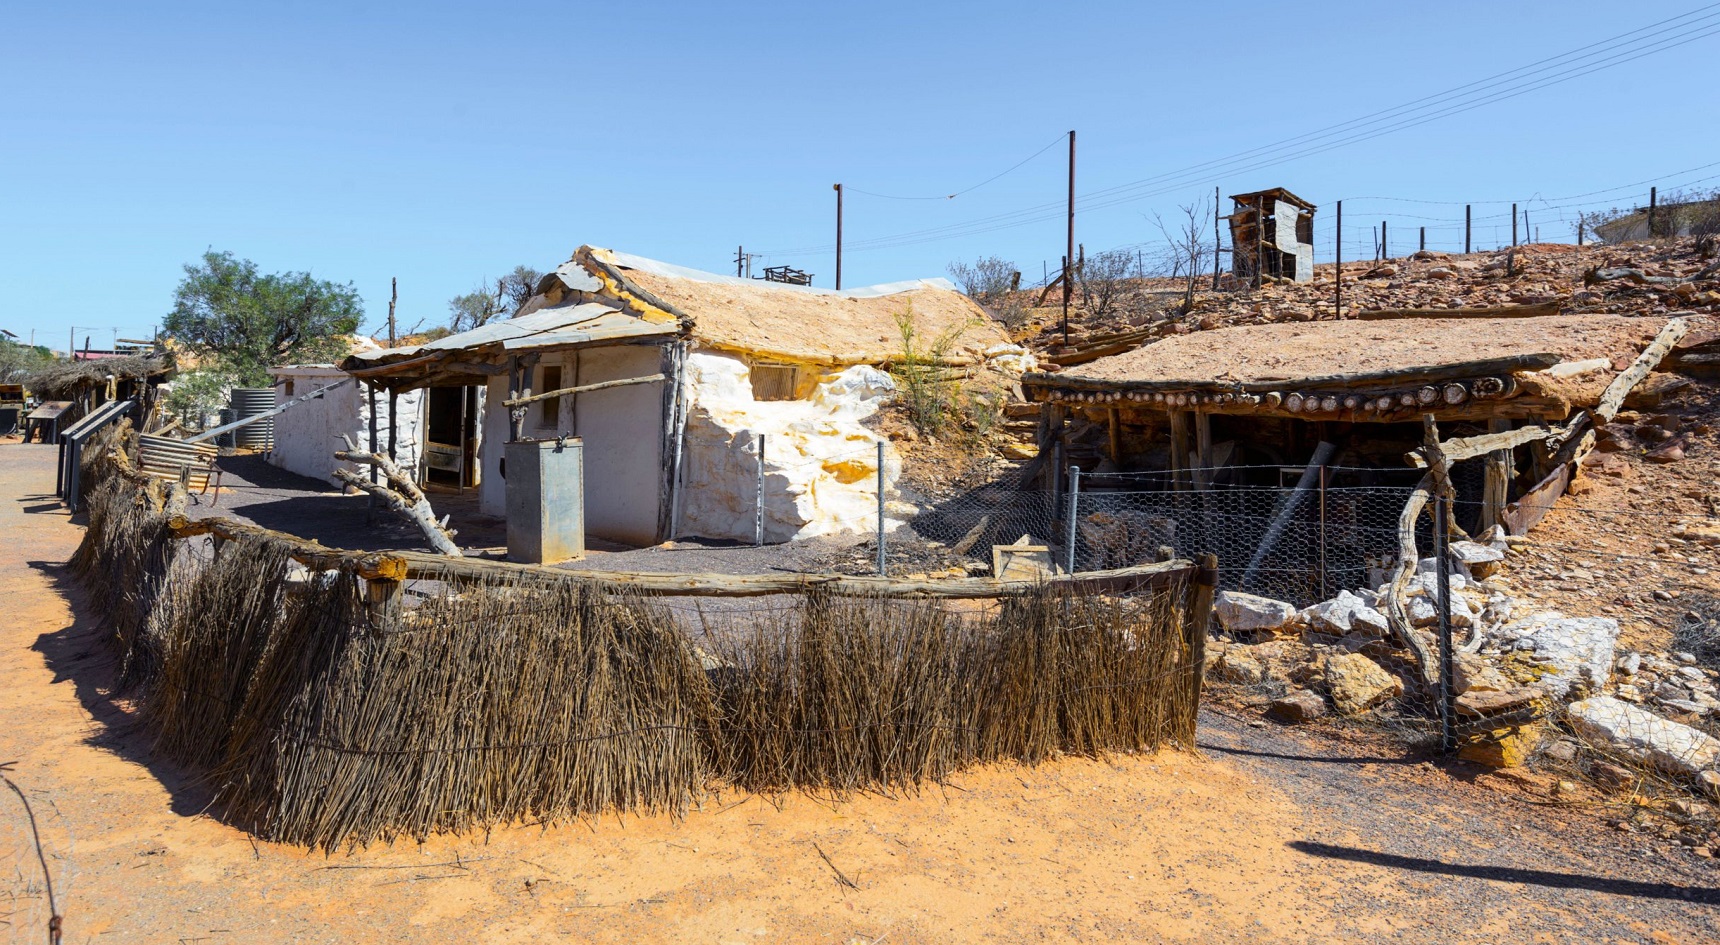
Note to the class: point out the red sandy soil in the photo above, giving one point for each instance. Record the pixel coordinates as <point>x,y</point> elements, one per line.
<point>1263,836</point>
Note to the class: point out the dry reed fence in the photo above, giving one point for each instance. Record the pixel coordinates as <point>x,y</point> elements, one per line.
<point>326,720</point>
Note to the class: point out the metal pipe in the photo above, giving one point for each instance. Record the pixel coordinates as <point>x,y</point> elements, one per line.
<point>1447,692</point>
<point>1074,511</point>
<point>758,497</point>
<point>880,506</point>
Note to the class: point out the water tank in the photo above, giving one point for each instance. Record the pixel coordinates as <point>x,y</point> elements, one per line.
<point>546,500</point>
<point>248,402</point>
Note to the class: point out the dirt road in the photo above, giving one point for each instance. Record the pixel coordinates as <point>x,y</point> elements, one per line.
<point>1264,836</point>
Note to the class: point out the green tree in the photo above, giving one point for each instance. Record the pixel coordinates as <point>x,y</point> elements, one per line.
<point>249,322</point>
<point>482,305</point>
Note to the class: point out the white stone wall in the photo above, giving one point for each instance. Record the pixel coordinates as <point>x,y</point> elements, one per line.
<point>820,461</point>
<point>307,435</point>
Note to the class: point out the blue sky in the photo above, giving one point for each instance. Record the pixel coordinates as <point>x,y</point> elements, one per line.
<point>446,143</point>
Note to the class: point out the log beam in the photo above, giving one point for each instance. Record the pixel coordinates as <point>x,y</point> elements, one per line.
<point>583,389</point>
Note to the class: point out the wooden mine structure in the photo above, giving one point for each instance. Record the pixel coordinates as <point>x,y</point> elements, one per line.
<point>1272,236</point>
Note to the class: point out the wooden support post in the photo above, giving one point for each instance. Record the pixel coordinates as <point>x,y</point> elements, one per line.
<point>1116,423</point>
<point>382,598</point>
<point>1202,449</point>
<point>1496,485</point>
<point>1179,449</point>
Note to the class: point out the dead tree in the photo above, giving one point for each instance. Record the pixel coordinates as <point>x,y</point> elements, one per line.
<point>399,492</point>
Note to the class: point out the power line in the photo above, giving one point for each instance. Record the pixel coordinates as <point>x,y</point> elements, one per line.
<point>1054,141</point>
<point>1585,60</point>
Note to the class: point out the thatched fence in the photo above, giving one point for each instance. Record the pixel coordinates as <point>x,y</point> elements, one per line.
<point>330,709</point>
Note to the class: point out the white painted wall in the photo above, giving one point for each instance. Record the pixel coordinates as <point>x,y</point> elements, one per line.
<point>307,435</point>
<point>492,490</point>
<point>622,430</point>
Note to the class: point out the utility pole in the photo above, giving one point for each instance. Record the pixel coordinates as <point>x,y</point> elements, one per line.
<point>740,258</point>
<point>1513,225</point>
<point>1466,222</point>
<point>838,188</point>
<point>393,297</point>
<point>1338,264</point>
<point>1217,238</point>
<point>1069,244</point>
<point>1653,195</point>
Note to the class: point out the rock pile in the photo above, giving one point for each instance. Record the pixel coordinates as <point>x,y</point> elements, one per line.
<point>1516,667</point>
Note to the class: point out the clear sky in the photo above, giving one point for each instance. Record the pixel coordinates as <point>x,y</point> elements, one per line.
<point>446,143</point>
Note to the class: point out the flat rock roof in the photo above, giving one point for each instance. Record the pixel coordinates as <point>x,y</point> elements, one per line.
<point>1293,351</point>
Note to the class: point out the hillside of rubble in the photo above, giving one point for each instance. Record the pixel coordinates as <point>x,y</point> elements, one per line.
<point>1648,278</point>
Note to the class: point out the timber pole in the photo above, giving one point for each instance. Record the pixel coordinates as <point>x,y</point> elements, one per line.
<point>838,188</point>
<point>1069,243</point>
<point>1338,265</point>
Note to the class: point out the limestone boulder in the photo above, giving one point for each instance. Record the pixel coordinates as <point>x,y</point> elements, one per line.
<point>1345,614</point>
<point>1637,733</point>
<point>1248,613</point>
<point>1357,683</point>
<point>1568,655</point>
<point>1481,560</point>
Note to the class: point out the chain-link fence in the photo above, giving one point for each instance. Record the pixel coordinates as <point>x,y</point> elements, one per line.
<point>1298,534</point>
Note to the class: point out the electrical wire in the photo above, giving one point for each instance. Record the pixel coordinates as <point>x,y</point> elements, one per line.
<point>1594,57</point>
<point>965,190</point>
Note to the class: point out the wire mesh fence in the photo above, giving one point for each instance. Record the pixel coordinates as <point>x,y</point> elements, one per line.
<point>1274,534</point>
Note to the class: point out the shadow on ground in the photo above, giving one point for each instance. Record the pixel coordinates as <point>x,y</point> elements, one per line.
<point>1707,895</point>
<point>82,654</point>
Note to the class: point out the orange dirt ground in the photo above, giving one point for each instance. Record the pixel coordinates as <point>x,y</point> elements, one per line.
<point>1172,847</point>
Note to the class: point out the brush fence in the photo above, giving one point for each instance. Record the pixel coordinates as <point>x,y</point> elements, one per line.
<point>328,714</point>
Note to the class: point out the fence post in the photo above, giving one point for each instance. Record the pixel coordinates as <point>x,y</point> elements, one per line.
<point>1338,264</point>
<point>1466,228</point>
<point>758,497</point>
<point>880,506</point>
<point>1074,501</point>
<point>1447,692</point>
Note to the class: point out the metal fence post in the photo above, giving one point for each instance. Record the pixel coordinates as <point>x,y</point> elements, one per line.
<point>880,506</point>
<point>1447,692</point>
<point>1074,502</point>
<point>758,497</point>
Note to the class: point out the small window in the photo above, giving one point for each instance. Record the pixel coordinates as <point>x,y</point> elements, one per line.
<point>1305,228</point>
<point>774,381</point>
<point>549,414</point>
<point>289,387</point>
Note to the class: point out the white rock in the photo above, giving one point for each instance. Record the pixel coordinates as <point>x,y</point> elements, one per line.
<point>1573,651</point>
<point>820,466</point>
<point>1665,744</point>
<point>1345,613</point>
<point>1473,552</point>
<point>1629,664</point>
<point>1424,611</point>
<point>1249,613</point>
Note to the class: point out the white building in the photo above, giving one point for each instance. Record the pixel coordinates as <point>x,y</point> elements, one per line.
<point>677,374</point>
